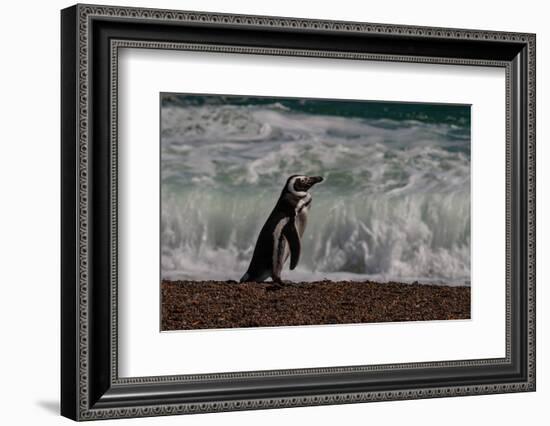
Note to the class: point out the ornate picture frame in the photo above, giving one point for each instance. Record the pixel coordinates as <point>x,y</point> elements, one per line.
<point>91,37</point>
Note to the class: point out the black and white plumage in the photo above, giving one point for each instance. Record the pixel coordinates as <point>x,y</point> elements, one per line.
<point>281,235</point>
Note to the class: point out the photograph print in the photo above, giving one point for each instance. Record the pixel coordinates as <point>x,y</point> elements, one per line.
<point>298,211</point>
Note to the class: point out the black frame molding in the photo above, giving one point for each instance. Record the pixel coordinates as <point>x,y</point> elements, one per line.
<point>90,38</point>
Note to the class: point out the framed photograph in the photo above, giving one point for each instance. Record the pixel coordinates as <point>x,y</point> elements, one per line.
<point>263,212</point>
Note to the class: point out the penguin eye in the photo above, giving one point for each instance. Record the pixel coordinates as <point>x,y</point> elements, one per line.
<point>299,184</point>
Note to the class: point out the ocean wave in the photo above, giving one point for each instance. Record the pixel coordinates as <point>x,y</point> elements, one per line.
<point>425,237</point>
<point>240,146</point>
<point>395,203</point>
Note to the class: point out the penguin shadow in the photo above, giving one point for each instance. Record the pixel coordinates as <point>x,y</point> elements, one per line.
<point>268,286</point>
<point>273,287</point>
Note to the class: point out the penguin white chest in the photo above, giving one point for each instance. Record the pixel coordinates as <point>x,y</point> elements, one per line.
<point>302,210</point>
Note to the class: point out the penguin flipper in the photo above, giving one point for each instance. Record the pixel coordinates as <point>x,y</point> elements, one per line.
<point>291,234</point>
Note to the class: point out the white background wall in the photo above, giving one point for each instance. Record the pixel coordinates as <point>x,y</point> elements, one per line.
<point>29,211</point>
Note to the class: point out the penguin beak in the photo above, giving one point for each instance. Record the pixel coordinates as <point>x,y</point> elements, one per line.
<point>310,181</point>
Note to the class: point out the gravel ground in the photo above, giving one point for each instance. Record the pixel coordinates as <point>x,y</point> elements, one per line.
<point>190,305</point>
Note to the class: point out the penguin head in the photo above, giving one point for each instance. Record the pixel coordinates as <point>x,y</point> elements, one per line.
<point>299,184</point>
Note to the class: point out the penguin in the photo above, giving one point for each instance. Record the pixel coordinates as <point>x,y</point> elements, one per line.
<point>282,232</point>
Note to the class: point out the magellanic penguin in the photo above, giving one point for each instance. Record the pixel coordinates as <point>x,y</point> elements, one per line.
<point>281,234</point>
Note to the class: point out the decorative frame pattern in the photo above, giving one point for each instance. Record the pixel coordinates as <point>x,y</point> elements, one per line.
<point>87,404</point>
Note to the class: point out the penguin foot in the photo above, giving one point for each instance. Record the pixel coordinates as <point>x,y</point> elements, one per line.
<point>277,284</point>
